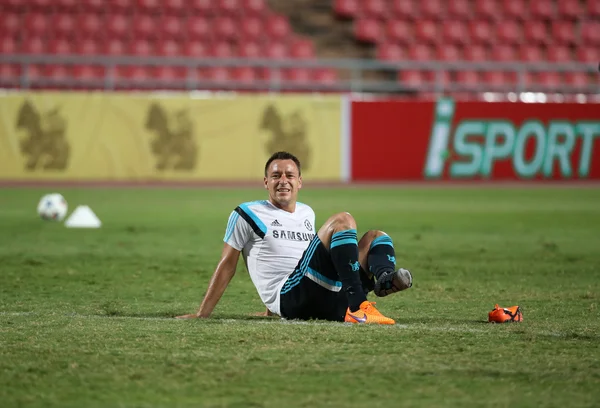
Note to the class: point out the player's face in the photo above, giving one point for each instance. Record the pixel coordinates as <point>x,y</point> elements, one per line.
<point>283,183</point>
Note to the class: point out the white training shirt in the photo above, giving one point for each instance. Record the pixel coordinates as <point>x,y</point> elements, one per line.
<point>272,242</point>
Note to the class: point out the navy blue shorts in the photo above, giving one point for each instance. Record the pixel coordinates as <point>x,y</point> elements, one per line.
<point>313,290</point>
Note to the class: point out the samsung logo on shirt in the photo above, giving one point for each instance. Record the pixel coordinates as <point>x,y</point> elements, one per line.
<point>293,235</point>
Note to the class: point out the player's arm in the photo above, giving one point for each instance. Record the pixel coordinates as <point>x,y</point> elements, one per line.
<point>218,282</point>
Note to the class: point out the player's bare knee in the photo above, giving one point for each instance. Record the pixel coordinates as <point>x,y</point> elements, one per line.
<point>368,237</point>
<point>342,221</point>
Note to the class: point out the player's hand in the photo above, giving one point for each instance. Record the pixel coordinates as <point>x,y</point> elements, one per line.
<point>263,314</point>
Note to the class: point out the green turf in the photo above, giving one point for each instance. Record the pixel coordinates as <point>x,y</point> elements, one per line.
<point>85,315</point>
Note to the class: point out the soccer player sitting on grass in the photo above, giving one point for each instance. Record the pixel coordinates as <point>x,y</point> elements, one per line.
<point>300,275</point>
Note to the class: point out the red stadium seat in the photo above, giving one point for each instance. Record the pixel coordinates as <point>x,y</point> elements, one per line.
<point>433,9</point>
<point>225,28</point>
<point>36,24</point>
<point>459,9</point>
<point>399,31</point>
<point>590,33</point>
<point>476,53</point>
<point>455,32</point>
<point>60,46</point>
<point>135,73</point>
<point>368,31</point>
<point>448,52</point>
<point>221,49</point>
<point>531,53</point>
<point>194,48</point>
<point>468,77</point>
<point>216,74</point>
<point>552,79</point>
<point>59,72</point>
<point>506,53</point>
<point>43,6</point>
<point>254,7</point>
<point>246,75</point>
<point>481,32</point>
<point>420,52</point>
<point>593,8</point>
<point>145,26</point>
<point>404,9</point>
<point>252,28</point>
<point>95,6</point>
<point>536,32</point>
<point>10,24</point>
<point>117,25</point>
<point>515,9</point>
<point>413,78</point>
<point>588,54</point>
<point>14,5</point>
<point>569,9</point>
<point>34,45</point>
<point>426,31</point>
<point>149,6</point>
<point>121,6</point>
<point>9,72</point>
<point>276,50</point>
<point>87,47</point>
<point>169,48</point>
<point>176,7</point>
<point>542,9</point>
<point>198,28</point>
<point>142,48</point>
<point>558,53</point>
<point>390,52</point>
<point>68,6</point>
<point>302,49</point>
<point>90,26</point>
<point>171,27</point>
<point>495,78</point>
<point>578,79</point>
<point>509,32</point>
<point>374,9</point>
<point>486,9</point>
<point>228,7</point>
<point>35,72</point>
<point>563,32</point>
<point>249,49</point>
<point>202,7</point>
<point>325,76</point>
<point>63,25</point>
<point>346,8</point>
<point>169,73</point>
<point>8,45</point>
<point>298,75</point>
<point>115,46</point>
<point>88,72</point>
<point>277,27</point>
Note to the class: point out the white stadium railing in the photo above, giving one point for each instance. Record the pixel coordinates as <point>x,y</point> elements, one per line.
<point>352,74</point>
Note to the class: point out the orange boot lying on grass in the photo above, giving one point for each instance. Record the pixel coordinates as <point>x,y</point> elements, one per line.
<point>505,314</point>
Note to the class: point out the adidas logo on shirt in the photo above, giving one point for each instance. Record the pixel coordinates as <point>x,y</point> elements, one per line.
<point>276,224</point>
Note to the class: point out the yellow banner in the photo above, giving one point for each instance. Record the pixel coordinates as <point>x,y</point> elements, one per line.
<point>119,136</point>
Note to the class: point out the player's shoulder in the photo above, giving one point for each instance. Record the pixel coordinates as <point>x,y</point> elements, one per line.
<point>253,204</point>
<point>304,207</point>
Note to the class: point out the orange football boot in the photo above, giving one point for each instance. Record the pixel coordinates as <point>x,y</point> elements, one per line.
<point>505,314</point>
<point>367,314</point>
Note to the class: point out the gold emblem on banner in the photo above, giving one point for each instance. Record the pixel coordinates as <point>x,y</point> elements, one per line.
<point>45,146</point>
<point>174,146</point>
<point>287,133</point>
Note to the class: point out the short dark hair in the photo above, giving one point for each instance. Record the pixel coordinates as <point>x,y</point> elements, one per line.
<point>283,156</point>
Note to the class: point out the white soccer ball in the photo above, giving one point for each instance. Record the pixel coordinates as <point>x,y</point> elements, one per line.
<point>52,207</point>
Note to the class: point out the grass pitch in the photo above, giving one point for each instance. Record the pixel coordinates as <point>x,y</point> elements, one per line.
<point>86,315</point>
